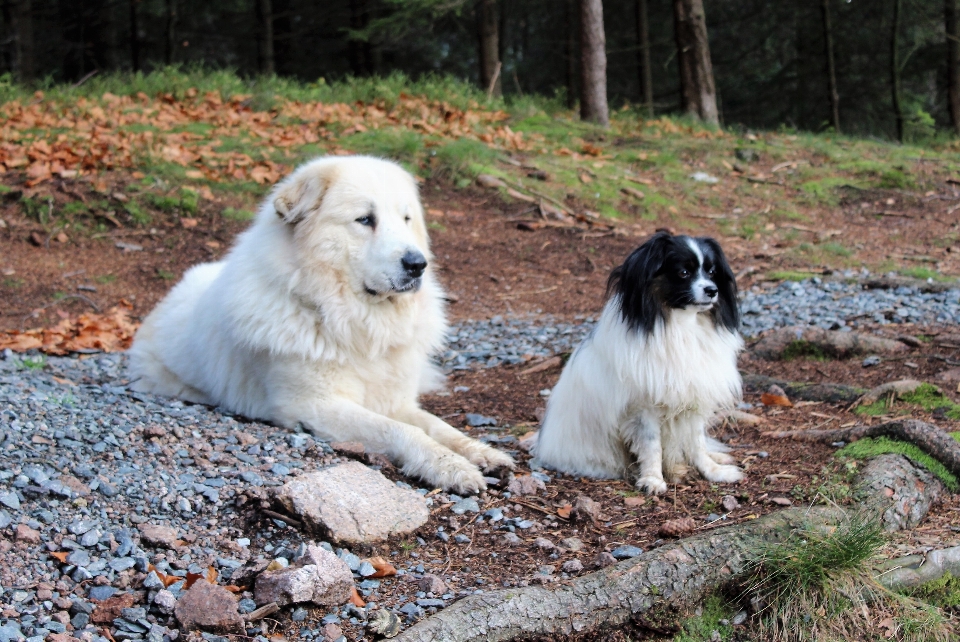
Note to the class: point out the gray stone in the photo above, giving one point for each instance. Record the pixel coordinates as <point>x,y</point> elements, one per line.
<point>165,601</point>
<point>318,576</point>
<point>466,505</point>
<point>525,485</point>
<point>624,552</point>
<point>512,539</point>
<point>354,504</point>
<point>573,566</point>
<point>209,607</point>
<point>152,581</point>
<point>572,544</point>
<point>10,632</point>
<point>10,500</point>
<point>101,592</point>
<point>475,420</point>
<point>432,584</point>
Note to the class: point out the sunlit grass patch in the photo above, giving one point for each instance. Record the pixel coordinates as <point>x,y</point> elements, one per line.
<point>870,447</point>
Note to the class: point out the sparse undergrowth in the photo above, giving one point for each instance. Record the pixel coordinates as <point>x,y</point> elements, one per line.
<point>870,447</point>
<point>819,585</point>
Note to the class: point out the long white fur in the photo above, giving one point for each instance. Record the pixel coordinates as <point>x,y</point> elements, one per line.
<point>284,328</point>
<point>627,399</point>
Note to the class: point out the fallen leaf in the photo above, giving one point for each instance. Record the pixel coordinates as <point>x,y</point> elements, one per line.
<point>61,555</point>
<point>189,223</point>
<point>384,568</point>
<point>564,511</point>
<point>781,501</point>
<point>212,575</point>
<point>355,598</point>
<point>191,580</point>
<point>109,609</point>
<point>768,399</point>
<point>634,502</point>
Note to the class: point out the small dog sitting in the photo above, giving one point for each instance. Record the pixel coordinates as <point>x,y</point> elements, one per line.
<point>636,395</point>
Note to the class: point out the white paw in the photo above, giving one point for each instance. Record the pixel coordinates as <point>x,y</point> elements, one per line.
<point>721,458</point>
<point>488,458</point>
<point>456,474</point>
<point>652,485</point>
<point>722,474</point>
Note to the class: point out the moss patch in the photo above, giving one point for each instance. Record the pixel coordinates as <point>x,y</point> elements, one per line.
<point>873,446</point>
<point>943,593</point>
<point>702,627</point>
<point>804,350</point>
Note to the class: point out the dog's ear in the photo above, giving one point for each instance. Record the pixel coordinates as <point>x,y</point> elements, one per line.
<point>635,283</point>
<point>302,192</point>
<point>726,313</point>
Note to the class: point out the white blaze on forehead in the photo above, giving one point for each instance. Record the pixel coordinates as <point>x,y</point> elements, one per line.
<point>695,247</point>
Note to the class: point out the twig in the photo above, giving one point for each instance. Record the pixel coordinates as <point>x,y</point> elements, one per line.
<point>85,78</point>
<point>262,612</point>
<point>283,518</point>
<point>493,81</point>
<point>512,295</point>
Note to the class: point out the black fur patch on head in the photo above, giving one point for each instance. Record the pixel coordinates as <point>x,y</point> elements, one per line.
<point>657,277</point>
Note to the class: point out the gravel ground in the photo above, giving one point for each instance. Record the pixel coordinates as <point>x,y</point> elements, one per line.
<point>83,462</point>
<point>833,305</point>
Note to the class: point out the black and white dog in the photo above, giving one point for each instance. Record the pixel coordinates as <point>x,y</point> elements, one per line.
<point>638,392</point>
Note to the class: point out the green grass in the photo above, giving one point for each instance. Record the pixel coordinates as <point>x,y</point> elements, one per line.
<point>394,143</point>
<point>870,447</point>
<point>33,363</point>
<point>920,272</point>
<point>787,275</point>
<point>235,214</point>
<point>819,584</point>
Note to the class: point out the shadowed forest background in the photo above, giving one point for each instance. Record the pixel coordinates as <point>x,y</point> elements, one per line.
<point>769,58</point>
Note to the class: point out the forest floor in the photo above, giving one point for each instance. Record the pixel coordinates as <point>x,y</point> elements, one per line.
<point>85,226</point>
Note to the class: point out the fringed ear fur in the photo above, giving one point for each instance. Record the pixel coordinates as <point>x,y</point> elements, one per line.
<point>634,282</point>
<point>302,192</point>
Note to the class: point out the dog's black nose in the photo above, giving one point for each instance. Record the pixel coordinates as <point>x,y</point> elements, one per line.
<point>710,291</point>
<point>414,263</point>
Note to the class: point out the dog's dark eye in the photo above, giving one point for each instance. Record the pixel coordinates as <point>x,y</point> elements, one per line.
<point>712,271</point>
<point>406,219</point>
<point>684,274</point>
<point>369,220</point>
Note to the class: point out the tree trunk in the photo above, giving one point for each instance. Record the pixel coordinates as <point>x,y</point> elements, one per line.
<point>831,67</point>
<point>488,32</point>
<point>570,53</point>
<point>265,26</point>
<point>593,64</point>
<point>134,36</point>
<point>643,58</point>
<point>895,68</point>
<point>697,87</point>
<point>953,62</point>
<point>18,23</point>
<point>171,35</point>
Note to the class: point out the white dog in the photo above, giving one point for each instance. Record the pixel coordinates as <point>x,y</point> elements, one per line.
<point>325,313</point>
<point>662,360</point>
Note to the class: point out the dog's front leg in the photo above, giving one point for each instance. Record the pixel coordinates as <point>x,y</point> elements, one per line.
<point>697,452</point>
<point>417,454</point>
<point>643,435</point>
<point>482,455</point>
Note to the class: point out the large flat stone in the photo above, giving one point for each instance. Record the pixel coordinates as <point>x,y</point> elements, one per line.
<point>353,504</point>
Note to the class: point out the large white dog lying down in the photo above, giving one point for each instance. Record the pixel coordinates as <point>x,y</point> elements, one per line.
<point>325,313</point>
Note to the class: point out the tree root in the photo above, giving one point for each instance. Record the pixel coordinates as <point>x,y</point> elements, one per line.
<point>929,438</point>
<point>651,592</point>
